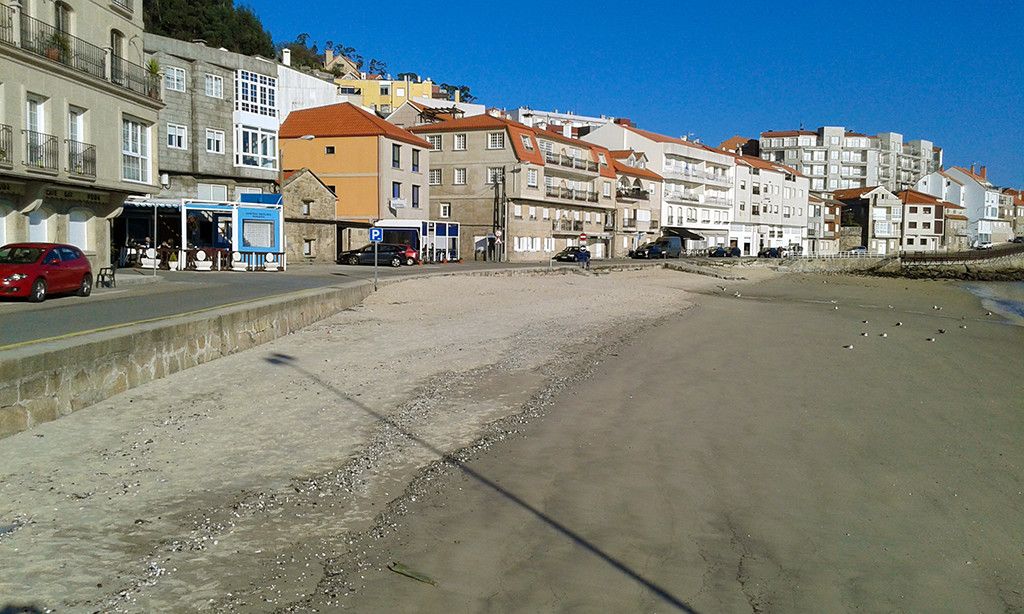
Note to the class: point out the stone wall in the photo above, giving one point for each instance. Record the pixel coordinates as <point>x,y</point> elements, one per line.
<point>309,215</point>
<point>46,381</point>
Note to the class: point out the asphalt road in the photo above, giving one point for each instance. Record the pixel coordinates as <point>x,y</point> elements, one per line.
<point>178,293</point>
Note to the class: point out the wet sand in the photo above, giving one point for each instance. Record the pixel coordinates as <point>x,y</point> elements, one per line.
<point>739,459</point>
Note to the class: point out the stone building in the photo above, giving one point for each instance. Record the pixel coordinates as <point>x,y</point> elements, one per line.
<point>77,115</point>
<point>878,213</point>
<point>310,224</point>
<point>217,135</point>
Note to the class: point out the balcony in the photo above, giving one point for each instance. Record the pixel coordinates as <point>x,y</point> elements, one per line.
<point>41,151</point>
<point>570,162</point>
<point>570,194</point>
<point>717,201</point>
<point>682,197</point>
<point>81,159</point>
<point>633,193</point>
<point>6,145</point>
<point>46,41</point>
<point>567,225</point>
<point>629,223</point>
<point>609,222</point>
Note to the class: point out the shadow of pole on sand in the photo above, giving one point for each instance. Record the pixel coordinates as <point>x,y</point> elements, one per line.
<point>285,360</point>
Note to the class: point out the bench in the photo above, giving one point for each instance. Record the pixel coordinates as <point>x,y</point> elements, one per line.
<point>107,277</point>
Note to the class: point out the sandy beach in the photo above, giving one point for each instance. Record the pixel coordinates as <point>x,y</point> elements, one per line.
<point>640,441</point>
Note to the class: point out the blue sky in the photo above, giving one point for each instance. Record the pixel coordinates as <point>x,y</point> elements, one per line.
<point>951,72</point>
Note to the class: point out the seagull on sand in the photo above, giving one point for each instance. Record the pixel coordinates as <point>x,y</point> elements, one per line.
<point>899,324</point>
<point>863,334</point>
<point>848,347</point>
<point>942,331</point>
<point>931,338</point>
<point>963,326</point>
<point>884,335</point>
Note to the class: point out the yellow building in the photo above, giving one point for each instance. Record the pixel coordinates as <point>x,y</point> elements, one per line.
<point>376,170</point>
<point>386,95</point>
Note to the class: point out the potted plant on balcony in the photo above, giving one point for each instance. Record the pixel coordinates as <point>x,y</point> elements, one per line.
<point>153,72</point>
<point>57,47</point>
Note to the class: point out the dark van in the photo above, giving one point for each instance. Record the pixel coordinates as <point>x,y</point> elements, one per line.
<point>663,247</point>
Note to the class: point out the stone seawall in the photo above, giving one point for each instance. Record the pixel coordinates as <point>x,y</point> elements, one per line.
<point>42,382</point>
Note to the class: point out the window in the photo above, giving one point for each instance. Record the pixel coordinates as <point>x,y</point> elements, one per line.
<point>460,142</point>
<point>415,160</point>
<point>531,177</point>
<point>496,140</point>
<point>177,136</point>
<point>435,142</point>
<point>385,89</point>
<point>255,93</point>
<point>546,213</point>
<point>607,191</point>
<point>174,79</point>
<point>460,177</point>
<point>834,140</point>
<point>926,225</point>
<point>415,197</point>
<point>214,141</point>
<point>239,190</point>
<point>396,189</point>
<point>517,210</point>
<point>255,147</point>
<point>307,247</point>
<point>445,210</point>
<point>910,241</point>
<point>527,142</point>
<point>913,209</point>
<point>911,224</point>
<point>78,228</point>
<point>214,86</point>
<point>533,213</point>
<point>134,151</point>
<point>396,156</point>
<point>494,175</point>
<point>212,192</point>
<point>329,150</point>
<point>434,176</point>
<point>306,207</point>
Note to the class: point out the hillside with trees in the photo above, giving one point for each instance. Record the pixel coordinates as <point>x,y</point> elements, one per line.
<point>218,22</point>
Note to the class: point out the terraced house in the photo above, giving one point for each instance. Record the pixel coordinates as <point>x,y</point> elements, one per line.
<point>772,207</point>
<point>78,109</point>
<point>520,194</point>
<point>637,210</point>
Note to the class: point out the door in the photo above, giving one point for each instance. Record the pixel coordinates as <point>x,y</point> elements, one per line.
<point>55,273</point>
<point>34,128</point>
<point>73,268</point>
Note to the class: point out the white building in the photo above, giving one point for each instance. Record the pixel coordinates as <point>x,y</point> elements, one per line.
<point>771,206</point>
<point>300,90</point>
<point>976,194</point>
<point>835,158</point>
<point>568,122</point>
<point>697,192</point>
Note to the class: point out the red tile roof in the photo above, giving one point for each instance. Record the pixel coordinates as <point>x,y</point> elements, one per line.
<point>852,193</point>
<point>625,169</point>
<point>970,174</point>
<point>488,122</point>
<point>956,216</point>
<point>732,143</point>
<point>913,197</point>
<point>343,120</point>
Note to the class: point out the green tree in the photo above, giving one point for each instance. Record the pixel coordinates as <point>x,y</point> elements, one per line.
<point>218,22</point>
<point>465,95</point>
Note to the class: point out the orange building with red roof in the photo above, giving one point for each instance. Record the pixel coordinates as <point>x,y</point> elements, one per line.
<point>377,170</point>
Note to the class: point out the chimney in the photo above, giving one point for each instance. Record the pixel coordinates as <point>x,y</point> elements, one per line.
<point>328,57</point>
<point>972,168</point>
<point>286,57</point>
<point>984,172</point>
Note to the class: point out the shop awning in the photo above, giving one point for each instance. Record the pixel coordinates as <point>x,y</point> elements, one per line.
<point>683,233</point>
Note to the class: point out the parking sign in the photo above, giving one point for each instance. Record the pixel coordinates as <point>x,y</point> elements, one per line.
<point>376,235</point>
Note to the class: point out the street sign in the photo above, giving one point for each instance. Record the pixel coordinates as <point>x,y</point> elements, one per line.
<point>376,235</point>
<point>583,236</point>
<point>497,233</point>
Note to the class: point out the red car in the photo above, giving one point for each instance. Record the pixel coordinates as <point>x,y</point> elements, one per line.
<point>35,270</point>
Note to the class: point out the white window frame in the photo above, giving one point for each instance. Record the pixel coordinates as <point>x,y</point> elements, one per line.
<point>135,151</point>
<point>217,138</point>
<point>435,142</point>
<point>531,177</point>
<point>445,210</point>
<point>493,172</point>
<point>460,177</point>
<point>459,142</point>
<point>213,86</point>
<point>177,137</point>
<point>174,79</point>
<point>434,176</point>
<point>255,93</point>
<point>262,148</point>
<point>495,140</point>
<point>212,192</point>
<point>527,142</point>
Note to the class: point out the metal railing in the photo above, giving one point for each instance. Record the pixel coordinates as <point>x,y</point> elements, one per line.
<point>47,41</point>
<point>634,193</point>
<point>135,78</point>
<point>570,162</point>
<point>41,150</point>
<point>629,222</point>
<point>81,159</point>
<point>125,5</point>
<point>6,145</point>
<point>570,194</point>
<point>682,197</point>
<point>6,24</point>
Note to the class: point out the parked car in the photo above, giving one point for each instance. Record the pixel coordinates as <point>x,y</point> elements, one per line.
<point>859,250</point>
<point>1018,240</point>
<point>725,252</point>
<point>771,252</point>
<point>983,245</point>
<point>663,247</point>
<point>37,270</point>
<point>568,254</point>
<point>391,254</point>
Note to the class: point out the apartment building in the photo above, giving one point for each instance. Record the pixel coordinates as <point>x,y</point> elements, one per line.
<point>217,134</point>
<point>298,89</point>
<point>823,225</point>
<point>519,193</point>
<point>975,193</point>
<point>879,214</point>
<point>420,111</point>
<point>1016,210</point>
<point>78,107</point>
<point>377,170</point>
<point>696,195</point>
<point>835,158</point>
<point>384,95</point>
<point>771,206</point>
<point>923,222</point>
<point>636,219</point>
<point>568,123</point>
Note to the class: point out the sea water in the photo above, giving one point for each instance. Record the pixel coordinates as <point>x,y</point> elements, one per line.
<point>1003,297</point>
